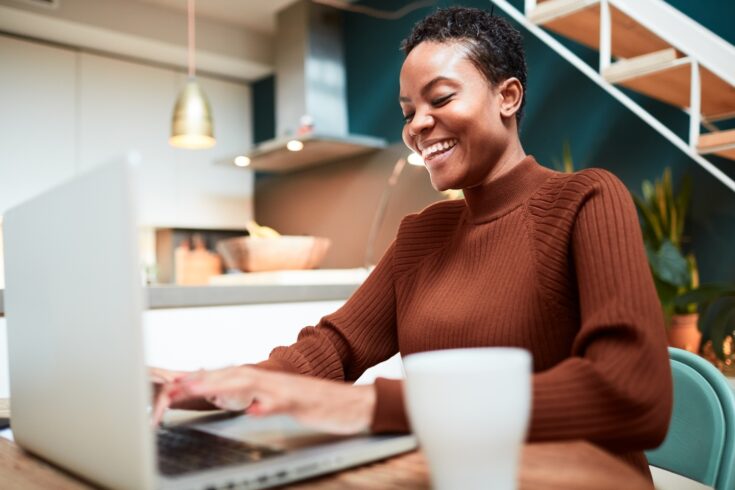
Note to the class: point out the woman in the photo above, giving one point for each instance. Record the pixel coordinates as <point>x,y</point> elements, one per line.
<point>532,258</point>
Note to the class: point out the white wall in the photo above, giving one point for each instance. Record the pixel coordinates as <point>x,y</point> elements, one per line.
<point>65,111</point>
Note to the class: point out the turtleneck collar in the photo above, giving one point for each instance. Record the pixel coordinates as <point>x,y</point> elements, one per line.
<point>496,198</point>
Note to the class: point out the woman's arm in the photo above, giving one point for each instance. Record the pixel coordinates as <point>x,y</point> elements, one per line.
<point>344,344</point>
<point>615,388</point>
<point>340,348</point>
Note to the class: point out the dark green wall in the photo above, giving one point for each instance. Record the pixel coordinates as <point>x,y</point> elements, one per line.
<point>562,105</point>
<point>263,108</point>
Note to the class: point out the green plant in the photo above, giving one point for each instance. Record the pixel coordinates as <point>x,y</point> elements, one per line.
<point>567,162</point>
<point>717,313</point>
<point>676,275</point>
<point>663,215</point>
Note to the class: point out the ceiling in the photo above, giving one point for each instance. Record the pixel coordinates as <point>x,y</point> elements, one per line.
<point>258,15</point>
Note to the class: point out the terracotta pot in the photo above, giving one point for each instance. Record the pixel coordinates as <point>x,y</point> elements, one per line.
<point>683,332</point>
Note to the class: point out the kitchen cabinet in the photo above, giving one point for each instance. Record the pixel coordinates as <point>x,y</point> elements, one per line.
<point>123,111</point>
<point>37,132</point>
<point>66,111</point>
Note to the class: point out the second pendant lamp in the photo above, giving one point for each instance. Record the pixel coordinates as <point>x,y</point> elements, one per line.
<point>192,126</point>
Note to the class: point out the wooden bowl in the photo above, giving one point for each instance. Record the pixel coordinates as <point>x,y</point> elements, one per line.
<point>254,254</point>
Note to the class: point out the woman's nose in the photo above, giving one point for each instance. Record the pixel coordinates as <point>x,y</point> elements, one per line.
<point>420,123</point>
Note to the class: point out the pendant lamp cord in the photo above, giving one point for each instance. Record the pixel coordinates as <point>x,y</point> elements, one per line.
<point>191,37</point>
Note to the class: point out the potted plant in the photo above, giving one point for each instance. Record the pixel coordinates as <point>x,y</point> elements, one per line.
<point>663,215</point>
<point>717,323</point>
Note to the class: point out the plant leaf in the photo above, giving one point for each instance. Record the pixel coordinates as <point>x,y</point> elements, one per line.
<point>661,203</point>
<point>648,192</point>
<point>682,203</point>
<point>567,157</point>
<point>705,294</point>
<point>651,229</point>
<point>668,264</point>
<point>721,326</point>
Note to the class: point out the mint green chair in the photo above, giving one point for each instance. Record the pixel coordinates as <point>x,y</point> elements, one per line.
<point>700,444</point>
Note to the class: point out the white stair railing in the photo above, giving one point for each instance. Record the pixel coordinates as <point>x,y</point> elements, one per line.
<point>700,46</point>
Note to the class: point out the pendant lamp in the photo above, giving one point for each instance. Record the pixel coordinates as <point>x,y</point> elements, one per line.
<point>191,125</point>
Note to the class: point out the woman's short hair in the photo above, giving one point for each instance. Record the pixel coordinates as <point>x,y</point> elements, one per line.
<point>493,45</point>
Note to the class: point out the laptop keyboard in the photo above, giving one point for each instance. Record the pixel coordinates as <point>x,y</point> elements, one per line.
<point>183,450</point>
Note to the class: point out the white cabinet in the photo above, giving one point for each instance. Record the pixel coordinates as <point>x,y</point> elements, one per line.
<point>37,113</point>
<point>124,108</point>
<point>64,112</point>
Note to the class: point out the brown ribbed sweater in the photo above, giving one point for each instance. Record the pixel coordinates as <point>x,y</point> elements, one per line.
<point>550,262</point>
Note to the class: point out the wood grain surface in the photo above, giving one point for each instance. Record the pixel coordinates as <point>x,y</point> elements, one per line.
<point>559,465</point>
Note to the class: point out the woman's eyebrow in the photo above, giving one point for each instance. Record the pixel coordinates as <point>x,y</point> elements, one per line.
<point>426,88</point>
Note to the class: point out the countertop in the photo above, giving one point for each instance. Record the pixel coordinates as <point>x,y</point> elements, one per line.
<point>255,288</point>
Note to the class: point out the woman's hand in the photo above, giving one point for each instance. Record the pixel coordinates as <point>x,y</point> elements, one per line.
<point>160,377</point>
<point>329,406</point>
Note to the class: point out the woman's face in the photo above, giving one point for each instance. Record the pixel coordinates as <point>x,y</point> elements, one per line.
<point>454,118</point>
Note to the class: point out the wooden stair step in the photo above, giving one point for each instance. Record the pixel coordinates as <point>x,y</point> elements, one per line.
<point>668,80</point>
<point>647,64</point>
<point>721,143</point>
<point>579,20</point>
<point>641,65</point>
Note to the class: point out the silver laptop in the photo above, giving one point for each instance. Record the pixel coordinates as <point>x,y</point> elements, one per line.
<point>79,390</point>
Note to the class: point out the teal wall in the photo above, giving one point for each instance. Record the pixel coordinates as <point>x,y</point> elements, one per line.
<point>263,93</point>
<point>562,105</point>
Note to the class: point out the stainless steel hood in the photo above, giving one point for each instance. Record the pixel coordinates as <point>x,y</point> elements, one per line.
<point>311,81</point>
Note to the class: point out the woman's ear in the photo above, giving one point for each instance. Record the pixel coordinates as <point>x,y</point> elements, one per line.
<point>511,92</point>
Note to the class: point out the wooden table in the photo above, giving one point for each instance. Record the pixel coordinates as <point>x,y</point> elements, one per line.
<point>563,466</point>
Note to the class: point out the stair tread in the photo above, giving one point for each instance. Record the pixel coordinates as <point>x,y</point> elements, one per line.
<point>642,65</point>
<point>579,20</point>
<point>670,83</point>
<point>721,143</point>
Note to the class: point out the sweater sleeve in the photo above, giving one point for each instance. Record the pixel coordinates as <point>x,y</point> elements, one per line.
<point>615,388</point>
<point>357,336</point>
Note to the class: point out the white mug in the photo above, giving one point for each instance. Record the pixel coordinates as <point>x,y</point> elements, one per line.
<point>469,409</point>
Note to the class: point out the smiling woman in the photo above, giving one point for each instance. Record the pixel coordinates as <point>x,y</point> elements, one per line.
<point>550,262</point>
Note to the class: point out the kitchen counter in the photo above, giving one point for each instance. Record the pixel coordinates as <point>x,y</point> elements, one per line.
<point>256,288</point>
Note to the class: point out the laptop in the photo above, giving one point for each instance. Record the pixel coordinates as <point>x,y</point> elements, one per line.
<point>78,383</point>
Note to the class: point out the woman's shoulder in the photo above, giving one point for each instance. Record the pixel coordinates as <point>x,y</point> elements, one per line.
<point>427,231</point>
<point>557,204</point>
<point>565,189</point>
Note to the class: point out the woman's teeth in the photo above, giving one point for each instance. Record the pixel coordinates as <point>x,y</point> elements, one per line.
<point>437,148</point>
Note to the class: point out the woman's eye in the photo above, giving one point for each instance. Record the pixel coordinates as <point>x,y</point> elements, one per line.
<point>440,101</point>
<point>407,117</point>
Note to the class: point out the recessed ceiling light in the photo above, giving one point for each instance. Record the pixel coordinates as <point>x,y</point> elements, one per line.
<point>295,145</point>
<point>242,161</point>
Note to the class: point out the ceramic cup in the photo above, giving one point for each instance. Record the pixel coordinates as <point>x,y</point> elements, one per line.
<point>469,409</point>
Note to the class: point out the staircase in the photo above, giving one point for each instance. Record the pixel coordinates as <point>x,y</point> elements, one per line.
<point>649,47</point>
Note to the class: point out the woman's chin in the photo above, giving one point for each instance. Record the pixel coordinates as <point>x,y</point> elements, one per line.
<point>442,182</point>
<point>441,185</point>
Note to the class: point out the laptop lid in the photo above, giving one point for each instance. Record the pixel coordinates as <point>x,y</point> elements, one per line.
<point>73,304</point>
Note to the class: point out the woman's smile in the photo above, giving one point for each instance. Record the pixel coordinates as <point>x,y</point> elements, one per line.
<point>433,150</point>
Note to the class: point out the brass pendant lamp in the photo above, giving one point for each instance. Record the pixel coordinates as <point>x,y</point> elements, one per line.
<point>191,125</point>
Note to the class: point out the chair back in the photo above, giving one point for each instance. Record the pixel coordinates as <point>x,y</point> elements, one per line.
<point>700,443</point>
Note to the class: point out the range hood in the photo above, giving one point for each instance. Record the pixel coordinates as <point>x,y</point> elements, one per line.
<point>310,81</point>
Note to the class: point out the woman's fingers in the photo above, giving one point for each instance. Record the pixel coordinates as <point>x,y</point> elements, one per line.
<point>325,405</point>
<point>161,402</point>
<point>226,380</point>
